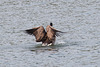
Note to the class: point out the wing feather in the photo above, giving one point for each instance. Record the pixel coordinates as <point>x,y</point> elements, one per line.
<point>38,32</point>
<point>57,32</point>
<point>52,32</point>
<point>32,31</point>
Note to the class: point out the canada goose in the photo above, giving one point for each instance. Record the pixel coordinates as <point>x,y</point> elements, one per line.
<point>46,37</point>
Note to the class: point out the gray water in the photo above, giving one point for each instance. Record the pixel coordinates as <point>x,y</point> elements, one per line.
<point>79,47</point>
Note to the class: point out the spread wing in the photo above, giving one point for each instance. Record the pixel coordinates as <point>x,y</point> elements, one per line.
<point>52,32</point>
<point>38,32</point>
<point>57,32</point>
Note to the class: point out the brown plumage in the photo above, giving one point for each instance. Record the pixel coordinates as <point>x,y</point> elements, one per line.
<point>47,38</point>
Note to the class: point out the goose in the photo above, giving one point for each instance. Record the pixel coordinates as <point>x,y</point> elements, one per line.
<point>47,37</point>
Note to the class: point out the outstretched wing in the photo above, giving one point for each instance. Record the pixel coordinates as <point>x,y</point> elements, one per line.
<point>32,31</point>
<point>57,32</point>
<point>38,32</point>
<point>52,32</point>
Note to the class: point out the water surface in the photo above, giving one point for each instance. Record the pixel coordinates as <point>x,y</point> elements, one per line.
<point>80,47</point>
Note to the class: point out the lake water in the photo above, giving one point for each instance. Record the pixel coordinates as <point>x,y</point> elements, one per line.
<point>79,47</point>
